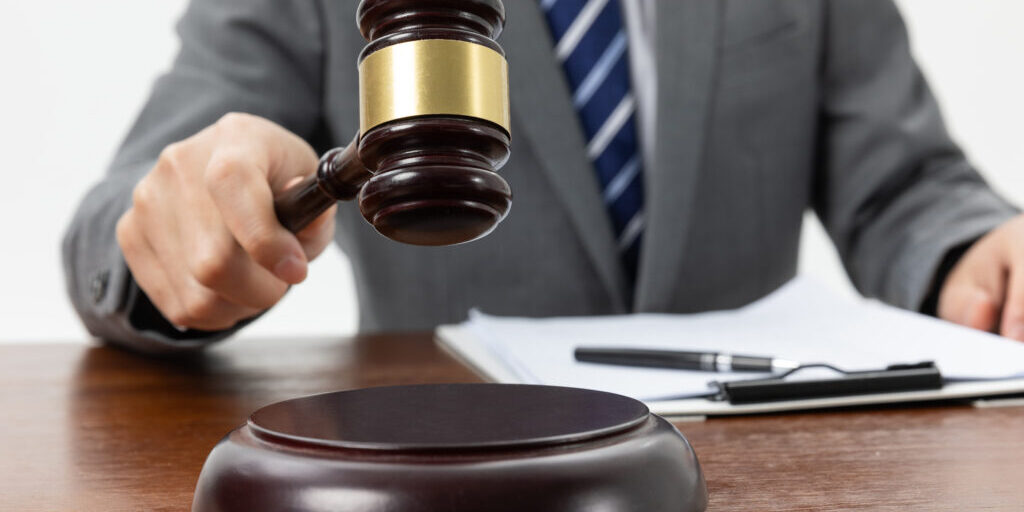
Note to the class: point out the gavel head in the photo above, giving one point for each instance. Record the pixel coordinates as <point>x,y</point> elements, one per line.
<point>434,119</point>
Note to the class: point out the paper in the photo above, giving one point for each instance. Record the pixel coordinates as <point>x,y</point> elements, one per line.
<point>803,321</point>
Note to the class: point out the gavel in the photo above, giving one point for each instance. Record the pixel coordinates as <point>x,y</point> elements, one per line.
<point>434,126</point>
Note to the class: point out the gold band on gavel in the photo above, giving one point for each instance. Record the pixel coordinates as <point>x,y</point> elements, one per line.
<point>430,77</point>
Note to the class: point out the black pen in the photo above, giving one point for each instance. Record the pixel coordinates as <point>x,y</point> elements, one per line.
<point>683,360</point>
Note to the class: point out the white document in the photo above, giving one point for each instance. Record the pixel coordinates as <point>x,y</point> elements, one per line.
<point>802,321</point>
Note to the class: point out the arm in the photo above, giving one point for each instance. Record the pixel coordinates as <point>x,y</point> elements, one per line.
<point>257,56</point>
<point>894,192</point>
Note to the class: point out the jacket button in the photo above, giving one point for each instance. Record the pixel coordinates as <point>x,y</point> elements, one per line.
<point>98,285</point>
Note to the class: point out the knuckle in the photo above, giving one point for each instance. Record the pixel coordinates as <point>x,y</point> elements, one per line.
<point>170,158</point>
<point>234,121</point>
<point>222,172</point>
<point>123,226</point>
<point>125,233</point>
<point>211,265</point>
<point>142,195</point>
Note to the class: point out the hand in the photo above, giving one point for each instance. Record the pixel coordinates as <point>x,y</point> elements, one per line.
<point>201,237</point>
<point>985,290</point>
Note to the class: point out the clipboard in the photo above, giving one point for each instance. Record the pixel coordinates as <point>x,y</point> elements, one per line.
<point>802,321</point>
<point>460,344</point>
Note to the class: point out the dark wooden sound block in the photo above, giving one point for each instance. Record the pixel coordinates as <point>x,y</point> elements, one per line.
<point>454,448</point>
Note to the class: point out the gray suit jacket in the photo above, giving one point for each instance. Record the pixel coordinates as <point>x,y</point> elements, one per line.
<point>765,109</point>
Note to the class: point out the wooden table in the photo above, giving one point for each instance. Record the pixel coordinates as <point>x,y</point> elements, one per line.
<point>92,428</point>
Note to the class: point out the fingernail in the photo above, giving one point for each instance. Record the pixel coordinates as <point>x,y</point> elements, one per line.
<point>1015,331</point>
<point>290,270</point>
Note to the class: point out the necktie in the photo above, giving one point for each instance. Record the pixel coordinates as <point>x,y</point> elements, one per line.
<point>590,42</point>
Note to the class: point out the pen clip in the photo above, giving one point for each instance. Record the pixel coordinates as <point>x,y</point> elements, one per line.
<point>893,378</point>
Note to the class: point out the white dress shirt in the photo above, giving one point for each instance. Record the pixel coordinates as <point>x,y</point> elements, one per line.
<point>640,27</point>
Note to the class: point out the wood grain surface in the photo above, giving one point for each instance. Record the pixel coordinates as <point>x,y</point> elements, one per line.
<point>98,429</point>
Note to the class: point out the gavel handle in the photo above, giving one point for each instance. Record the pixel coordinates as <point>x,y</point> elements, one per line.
<point>339,176</point>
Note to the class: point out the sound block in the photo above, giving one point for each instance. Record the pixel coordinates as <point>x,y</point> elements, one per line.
<point>454,448</point>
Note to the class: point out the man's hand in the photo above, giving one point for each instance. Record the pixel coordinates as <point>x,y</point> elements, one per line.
<point>202,239</point>
<point>985,290</point>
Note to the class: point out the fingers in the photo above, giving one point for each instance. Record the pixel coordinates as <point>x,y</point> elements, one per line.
<point>151,278</point>
<point>254,159</point>
<point>246,204</point>
<point>972,307</point>
<point>974,290</point>
<point>218,263</point>
<point>985,289</point>
<point>182,300</point>
<point>169,236</point>
<point>1013,311</point>
<point>194,305</point>
<point>202,238</point>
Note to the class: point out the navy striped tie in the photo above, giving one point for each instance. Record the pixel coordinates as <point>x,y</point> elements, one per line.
<point>590,42</point>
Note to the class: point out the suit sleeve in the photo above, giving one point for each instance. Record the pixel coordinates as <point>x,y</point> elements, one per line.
<point>263,57</point>
<point>894,192</point>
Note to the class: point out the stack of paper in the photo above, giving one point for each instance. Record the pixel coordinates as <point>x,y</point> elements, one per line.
<point>802,321</point>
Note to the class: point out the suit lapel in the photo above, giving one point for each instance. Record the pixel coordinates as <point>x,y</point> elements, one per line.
<point>542,107</point>
<point>687,35</point>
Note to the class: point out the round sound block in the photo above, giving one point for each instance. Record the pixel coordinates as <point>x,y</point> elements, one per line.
<point>453,448</point>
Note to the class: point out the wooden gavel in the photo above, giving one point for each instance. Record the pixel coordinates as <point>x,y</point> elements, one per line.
<point>434,126</point>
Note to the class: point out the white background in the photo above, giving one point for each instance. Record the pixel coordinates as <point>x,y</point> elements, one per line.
<point>73,75</point>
